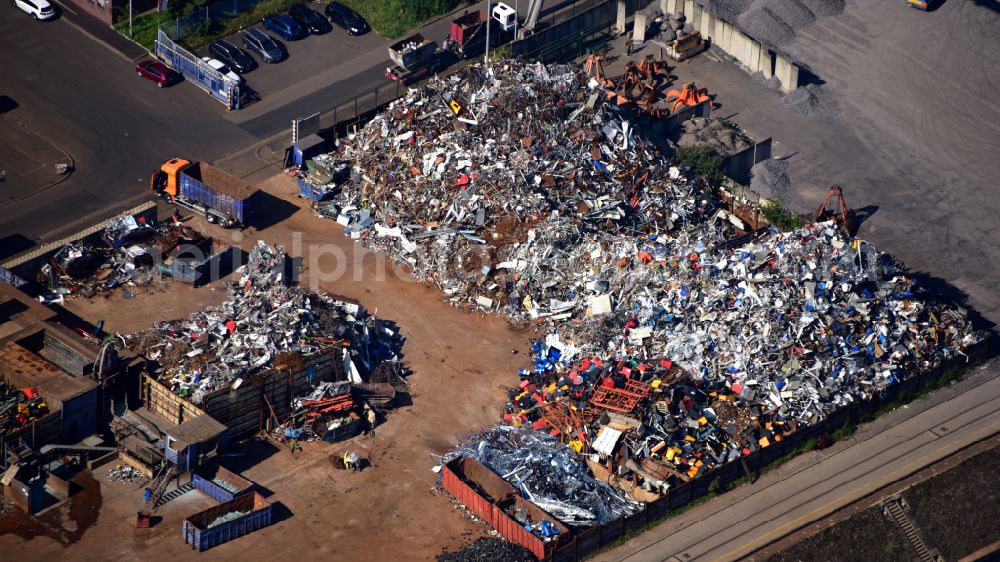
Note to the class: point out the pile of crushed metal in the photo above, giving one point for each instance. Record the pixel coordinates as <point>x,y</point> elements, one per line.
<point>673,345</point>
<point>129,253</point>
<point>264,322</point>
<point>488,549</point>
<point>485,182</point>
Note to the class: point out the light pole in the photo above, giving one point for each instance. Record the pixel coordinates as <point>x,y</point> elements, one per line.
<point>486,57</point>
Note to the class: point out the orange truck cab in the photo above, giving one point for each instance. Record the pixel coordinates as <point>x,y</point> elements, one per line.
<point>222,198</point>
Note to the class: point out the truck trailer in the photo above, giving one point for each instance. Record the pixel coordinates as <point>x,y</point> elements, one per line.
<point>415,58</point>
<point>222,198</point>
<point>468,33</point>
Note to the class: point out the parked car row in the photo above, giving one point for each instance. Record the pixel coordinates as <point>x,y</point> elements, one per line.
<point>232,61</point>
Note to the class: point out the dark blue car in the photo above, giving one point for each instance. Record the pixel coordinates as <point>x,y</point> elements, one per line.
<point>284,26</point>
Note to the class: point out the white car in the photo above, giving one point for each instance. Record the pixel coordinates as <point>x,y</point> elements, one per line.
<point>39,9</point>
<point>222,69</point>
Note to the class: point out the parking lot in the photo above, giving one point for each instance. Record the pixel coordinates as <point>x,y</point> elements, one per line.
<point>314,57</point>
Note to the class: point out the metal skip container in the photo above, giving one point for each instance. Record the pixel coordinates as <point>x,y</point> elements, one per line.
<point>227,521</point>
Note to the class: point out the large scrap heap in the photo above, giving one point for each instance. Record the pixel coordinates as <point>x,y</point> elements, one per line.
<point>264,321</point>
<point>469,177</point>
<point>671,348</point>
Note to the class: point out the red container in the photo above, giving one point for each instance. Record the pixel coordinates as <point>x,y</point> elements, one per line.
<point>463,476</point>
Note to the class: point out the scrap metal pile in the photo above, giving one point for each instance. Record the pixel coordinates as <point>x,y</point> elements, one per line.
<point>265,322</point>
<point>487,182</point>
<point>488,549</point>
<point>709,352</point>
<point>672,348</point>
<point>124,473</point>
<point>547,473</point>
<point>325,412</point>
<point>19,407</point>
<point>130,253</point>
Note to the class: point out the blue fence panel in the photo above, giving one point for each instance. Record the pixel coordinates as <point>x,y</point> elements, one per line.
<point>197,71</point>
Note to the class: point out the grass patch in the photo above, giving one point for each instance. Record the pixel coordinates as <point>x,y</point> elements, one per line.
<point>393,18</point>
<point>143,27</point>
<point>960,509</point>
<point>703,161</point>
<point>781,217</point>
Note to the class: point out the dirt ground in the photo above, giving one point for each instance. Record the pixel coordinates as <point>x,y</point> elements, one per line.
<point>865,537</point>
<point>954,504</point>
<point>959,511</point>
<point>387,512</point>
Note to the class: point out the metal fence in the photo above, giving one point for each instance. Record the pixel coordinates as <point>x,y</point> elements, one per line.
<point>198,72</point>
<point>209,19</point>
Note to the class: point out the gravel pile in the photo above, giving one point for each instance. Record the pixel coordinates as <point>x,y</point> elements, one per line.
<point>770,179</point>
<point>807,100</point>
<point>773,22</point>
<point>765,26</point>
<point>489,549</point>
<point>771,83</point>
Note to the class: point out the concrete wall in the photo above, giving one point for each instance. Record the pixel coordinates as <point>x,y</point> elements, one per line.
<point>750,53</point>
<point>603,15</point>
<point>737,166</point>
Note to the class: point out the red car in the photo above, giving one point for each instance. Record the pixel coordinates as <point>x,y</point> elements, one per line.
<point>157,72</point>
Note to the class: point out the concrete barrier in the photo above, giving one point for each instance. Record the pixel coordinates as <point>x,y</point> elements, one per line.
<point>621,16</point>
<point>765,63</point>
<point>639,25</point>
<point>749,52</point>
<point>707,26</point>
<point>787,73</point>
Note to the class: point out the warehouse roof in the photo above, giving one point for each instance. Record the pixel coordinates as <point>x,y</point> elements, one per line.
<point>23,368</point>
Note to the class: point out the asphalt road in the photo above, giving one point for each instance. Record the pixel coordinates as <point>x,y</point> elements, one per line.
<point>739,523</point>
<point>91,103</point>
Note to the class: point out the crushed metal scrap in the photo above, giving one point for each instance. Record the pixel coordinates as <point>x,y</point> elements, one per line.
<point>264,320</point>
<point>484,182</point>
<point>130,252</point>
<point>673,346</point>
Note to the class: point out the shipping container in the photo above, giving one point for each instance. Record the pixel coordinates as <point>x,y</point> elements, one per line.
<point>491,499</point>
<point>202,534</point>
<point>220,484</point>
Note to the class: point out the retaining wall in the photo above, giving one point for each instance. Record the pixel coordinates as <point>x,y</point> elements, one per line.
<point>248,409</point>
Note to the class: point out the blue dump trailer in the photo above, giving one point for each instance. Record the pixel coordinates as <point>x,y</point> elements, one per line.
<point>227,521</point>
<point>220,484</point>
<point>224,199</point>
